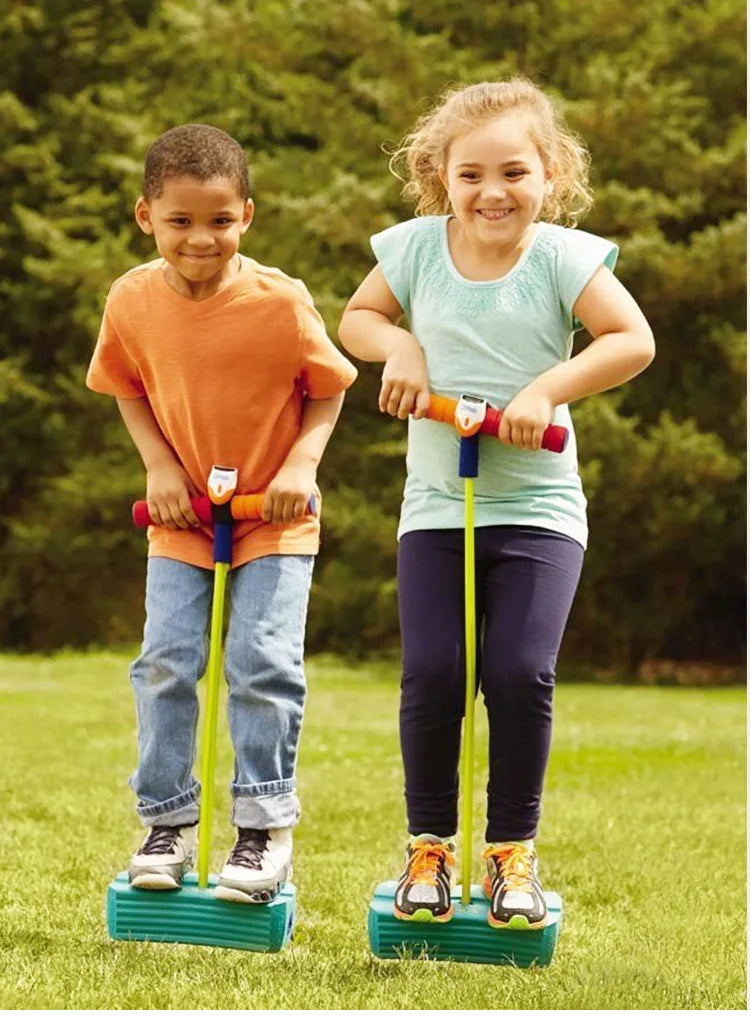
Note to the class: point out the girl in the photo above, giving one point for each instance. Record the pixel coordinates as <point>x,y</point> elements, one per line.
<point>493,292</point>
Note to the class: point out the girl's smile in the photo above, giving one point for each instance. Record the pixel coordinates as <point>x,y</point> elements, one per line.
<point>496,181</point>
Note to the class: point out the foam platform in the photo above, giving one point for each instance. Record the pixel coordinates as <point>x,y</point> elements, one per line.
<point>192,915</point>
<point>467,937</point>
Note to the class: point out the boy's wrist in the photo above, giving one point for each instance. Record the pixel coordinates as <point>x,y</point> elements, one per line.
<point>158,459</point>
<point>300,456</point>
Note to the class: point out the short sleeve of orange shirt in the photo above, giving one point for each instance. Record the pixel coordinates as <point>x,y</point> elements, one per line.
<point>225,378</point>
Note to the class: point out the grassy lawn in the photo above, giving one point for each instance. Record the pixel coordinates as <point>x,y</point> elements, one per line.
<point>643,834</point>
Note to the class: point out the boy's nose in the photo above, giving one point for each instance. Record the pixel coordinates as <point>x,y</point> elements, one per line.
<point>200,238</point>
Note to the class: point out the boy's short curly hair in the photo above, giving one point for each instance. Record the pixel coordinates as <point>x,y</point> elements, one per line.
<point>194,150</point>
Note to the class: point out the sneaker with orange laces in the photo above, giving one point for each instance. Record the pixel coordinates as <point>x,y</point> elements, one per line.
<point>423,894</point>
<point>512,885</point>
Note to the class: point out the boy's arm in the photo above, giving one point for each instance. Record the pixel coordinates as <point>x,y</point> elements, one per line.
<point>368,330</point>
<point>622,347</point>
<point>168,487</point>
<point>289,492</point>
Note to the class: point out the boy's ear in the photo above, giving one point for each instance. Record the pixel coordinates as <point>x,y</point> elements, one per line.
<point>247,214</point>
<point>143,215</point>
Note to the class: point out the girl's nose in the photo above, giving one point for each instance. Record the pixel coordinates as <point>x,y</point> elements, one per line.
<point>494,189</point>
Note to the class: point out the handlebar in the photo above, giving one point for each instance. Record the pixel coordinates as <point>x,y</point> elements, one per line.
<point>242,507</point>
<point>443,408</point>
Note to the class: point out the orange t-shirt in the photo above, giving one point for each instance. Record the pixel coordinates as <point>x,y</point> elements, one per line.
<point>225,378</point>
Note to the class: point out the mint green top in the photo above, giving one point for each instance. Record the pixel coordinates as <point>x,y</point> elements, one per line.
<point>490,339</point>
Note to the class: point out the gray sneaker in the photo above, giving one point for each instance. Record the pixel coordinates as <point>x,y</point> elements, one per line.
<point>164,856</point>
<point>259,864</point>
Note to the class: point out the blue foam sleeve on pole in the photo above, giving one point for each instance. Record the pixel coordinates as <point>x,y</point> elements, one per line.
<point>222,542</point>
<point>468,457</point>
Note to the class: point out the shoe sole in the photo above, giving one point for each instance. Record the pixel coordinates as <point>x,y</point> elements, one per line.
<point>225,893</point>
<point>423,915</point>
<point>154,882</point>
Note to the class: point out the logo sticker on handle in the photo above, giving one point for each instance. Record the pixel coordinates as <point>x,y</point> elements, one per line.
<point>222,482</point>
<point>470,414</point>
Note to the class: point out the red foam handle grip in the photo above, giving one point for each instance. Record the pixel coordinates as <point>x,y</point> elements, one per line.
<point>443,408</point>
<point>243,507</point>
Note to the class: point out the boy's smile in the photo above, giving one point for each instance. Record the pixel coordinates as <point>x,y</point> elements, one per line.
<point>197,226</point>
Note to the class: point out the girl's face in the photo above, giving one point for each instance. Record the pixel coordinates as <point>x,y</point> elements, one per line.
<point>496,181</point>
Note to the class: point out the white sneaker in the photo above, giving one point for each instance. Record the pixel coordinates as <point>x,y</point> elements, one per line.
<point>260,862</point>
<point>164,856</point>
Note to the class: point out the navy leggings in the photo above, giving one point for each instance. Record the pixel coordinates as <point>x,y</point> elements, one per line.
<point>526,579</point>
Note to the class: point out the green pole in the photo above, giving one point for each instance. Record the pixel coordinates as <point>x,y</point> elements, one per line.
<point>208,749</point>
<point>467,750</point>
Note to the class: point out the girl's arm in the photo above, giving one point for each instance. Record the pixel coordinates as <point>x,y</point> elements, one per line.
<point>289,492</point>
<point>368,330</point>
<point>622,347</point>
<point>168,487</point>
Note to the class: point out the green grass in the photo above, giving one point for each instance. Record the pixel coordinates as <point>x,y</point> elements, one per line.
<point>643,834</point>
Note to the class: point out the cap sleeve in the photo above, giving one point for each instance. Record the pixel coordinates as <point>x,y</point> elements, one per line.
<point>324,370</point>
<point>395,250</point>
<point>112,370</point>
<point>579,256</point>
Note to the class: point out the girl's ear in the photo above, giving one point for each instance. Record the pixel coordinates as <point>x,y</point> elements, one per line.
<point>443,176</point>
<point>143,215</point>
<point>551,175</point>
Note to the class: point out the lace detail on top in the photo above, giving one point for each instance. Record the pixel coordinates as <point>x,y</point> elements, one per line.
<point>530,280</point>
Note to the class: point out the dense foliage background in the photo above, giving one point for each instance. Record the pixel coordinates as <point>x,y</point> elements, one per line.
<point>313,90</point>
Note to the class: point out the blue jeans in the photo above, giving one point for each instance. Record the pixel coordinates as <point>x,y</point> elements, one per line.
<point>264,673</point>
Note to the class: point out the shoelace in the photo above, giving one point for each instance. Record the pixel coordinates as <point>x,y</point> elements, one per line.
<point>425,861</point>
<point>514,864</point>
<point>161,841</point>
<point>251,844</point>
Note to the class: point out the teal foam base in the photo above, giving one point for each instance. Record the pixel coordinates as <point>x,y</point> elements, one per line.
<point>192,915</point>
<point>468,937</point>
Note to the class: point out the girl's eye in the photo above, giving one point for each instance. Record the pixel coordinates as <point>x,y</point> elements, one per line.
<point>469,176</point>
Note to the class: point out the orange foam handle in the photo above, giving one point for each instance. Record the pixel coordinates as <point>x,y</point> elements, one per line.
<point>247,507</point>
<point>442,408</point>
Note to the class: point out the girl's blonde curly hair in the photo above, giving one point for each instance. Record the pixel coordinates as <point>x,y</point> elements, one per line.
<point>460,110</point>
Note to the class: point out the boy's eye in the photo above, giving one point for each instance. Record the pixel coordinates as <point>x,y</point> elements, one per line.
<point>223,221</point>
<point>179,221</point>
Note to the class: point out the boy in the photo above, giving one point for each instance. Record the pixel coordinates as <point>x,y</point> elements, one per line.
<point>214,358</point>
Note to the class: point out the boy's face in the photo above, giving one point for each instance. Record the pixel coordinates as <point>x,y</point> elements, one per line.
<point>197,226</point>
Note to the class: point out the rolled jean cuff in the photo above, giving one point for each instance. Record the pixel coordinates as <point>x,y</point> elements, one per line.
<point>265,806</point>
<point>179,811</point>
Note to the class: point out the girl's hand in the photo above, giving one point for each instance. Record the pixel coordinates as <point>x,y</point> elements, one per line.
<point>525,419</point>
<point>404,388</point>
<point>288,493</point>
<point>168,494</point>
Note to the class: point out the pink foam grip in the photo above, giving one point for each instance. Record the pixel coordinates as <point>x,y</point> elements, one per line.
<point>201,508</point>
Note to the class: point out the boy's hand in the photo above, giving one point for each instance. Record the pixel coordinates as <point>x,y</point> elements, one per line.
<point>168,494</point>
<point>288,493</point>
<point>525,419</point>
<point>404,388</point>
